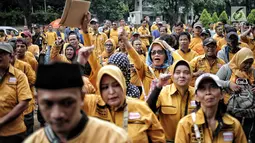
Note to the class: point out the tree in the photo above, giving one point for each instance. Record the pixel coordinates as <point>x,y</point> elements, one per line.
<point>251,17</point>
<point>205,18</point>
<point>224,17</point>
<point>215,17</point>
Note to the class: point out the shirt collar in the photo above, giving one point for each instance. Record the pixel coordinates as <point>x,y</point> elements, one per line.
<point>11,69</point>
<point>173,89</point>
<point>200,118</point>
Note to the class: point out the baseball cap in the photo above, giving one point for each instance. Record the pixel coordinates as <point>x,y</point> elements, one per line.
<point>204,32</point>
<point>232,36</point>
<point>6,47</point>
<point>204,76</point>
<point>94,20</point>
<point>26,34</point>
<point>208,41</point>
<point>198,24</point>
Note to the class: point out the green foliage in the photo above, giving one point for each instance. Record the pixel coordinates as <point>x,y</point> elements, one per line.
<point>44,18</point>
<point>205,18</point>
<point>109,9</point>
<point>215,17</point>
<point>11,18</point>
<point>251,17</point>
<point>224,17</point>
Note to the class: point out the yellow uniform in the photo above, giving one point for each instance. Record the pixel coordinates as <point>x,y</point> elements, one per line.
<point>96,131</point>
<point>29,54</point>
<point>231,132</point>
<point>173,106</point>
<point>144,71</point>
<point>142,123</point>
<point>114,35</point>
<point>199,49</point>
<point>194,41</point>
<point>135,79</point>
<point>13,89</point>
<point>154,27</point>
<point>250,42</point>
<point>217,38</point>
<point>30,73</point>
<point>187,56</point>
<point>50,38</point>
<point>132,115</point>
<point>55,56</point>
<point>34,49</point>
<point>144,31</point>
<point>98,41</point>
<point>31,61</point>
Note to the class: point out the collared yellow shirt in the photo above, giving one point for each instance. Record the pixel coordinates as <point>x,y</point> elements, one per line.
<point>231,132</point>
<point>95,131</point>
<point>97,40</point>
<point>144,31</point>
<point>50,38</point>
<point>34,49</point>
<point>187,56</point>
<point>114,35</point>
<point>13,89</point>
<point>30,74</point>
<point>32,61</point>
<point>143,124</point>
<point>154,27</point>
<point>194,41</point>
<point>172,107</point>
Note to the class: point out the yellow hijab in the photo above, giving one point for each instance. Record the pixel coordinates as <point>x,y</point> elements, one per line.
<point>106,54</point>
<point>175,64</point>
<point>242,55</point>
<point>115,73</point>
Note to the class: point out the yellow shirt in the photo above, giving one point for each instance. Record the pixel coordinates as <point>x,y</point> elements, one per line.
<point>144,31</point>
<point>31,61</point>
<point>194,41</point>
<point>88,88</point>
<point>114,35</point>
<point>55,56</point>
<point>199,49</point>
<point>97,40</point>
<point>249,41</point>
<point>34,49</point>
<point>50,38</point>
<point>154,27</point>
<point>13,89</point>
<point>187,56</point>
<point>143,124</point>
<point>217,38</point>
<point>96,131</point>
<point>201,63</point>
<point>30,73</point>
<point>173,106</point>
<point>232,131</point>
<point>144,71</point>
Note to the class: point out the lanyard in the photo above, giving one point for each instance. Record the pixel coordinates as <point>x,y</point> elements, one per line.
<point>125,118</point>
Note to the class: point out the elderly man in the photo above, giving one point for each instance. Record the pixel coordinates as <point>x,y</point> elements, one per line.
<point>15,96</point>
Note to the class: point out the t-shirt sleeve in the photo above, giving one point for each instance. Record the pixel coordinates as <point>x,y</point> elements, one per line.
<point>24,92</point>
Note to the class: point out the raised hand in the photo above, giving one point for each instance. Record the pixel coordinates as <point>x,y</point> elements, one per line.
<point>163,80</point>
<point>83,54</point>
<point>85,22</point>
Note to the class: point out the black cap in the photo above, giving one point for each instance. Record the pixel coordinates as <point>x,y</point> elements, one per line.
<point>232,36</point>
<point>208,41</point>
<point>58,76</point>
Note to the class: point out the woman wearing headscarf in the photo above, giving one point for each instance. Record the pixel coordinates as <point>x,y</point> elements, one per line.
<point>110,48</point>
<point>112,105</point>
<point>174,101</point>
<point>210,123</point>
<point>240,67</point>
<point>159,59</point>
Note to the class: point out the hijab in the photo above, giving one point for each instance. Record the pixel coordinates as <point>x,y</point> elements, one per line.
<point>121,61</point>
<point>242,55</point>
<point>105,54</point>
<point>168,61</point>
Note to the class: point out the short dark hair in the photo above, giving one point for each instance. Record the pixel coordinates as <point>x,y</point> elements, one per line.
<point>21,40</point>
<point>178,24</point>
<point>184,63</point>
<point>184,33</point>
<point>216,27</point>
<point>169,39</point>
<point>73,33</point>
<point>163,27</point>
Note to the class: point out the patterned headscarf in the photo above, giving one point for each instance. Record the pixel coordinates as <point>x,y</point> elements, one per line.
<point>121,61</point>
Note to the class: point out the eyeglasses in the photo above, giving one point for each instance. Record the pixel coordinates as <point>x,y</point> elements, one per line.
<point>159,52</point>
<point>108,45</point>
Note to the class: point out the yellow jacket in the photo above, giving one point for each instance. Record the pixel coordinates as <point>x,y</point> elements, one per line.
<point>142,123</point>
<point>30,74</point>
<point>231,132</point>
<point>187,56</point>
<point>172,107</point>
<point>96,131</point>
<point>34,49</point>
<point>144,71</point>
<point>97,40</point>
<point>32,61</point>
<point>14,88</point>
<point>55,56</point>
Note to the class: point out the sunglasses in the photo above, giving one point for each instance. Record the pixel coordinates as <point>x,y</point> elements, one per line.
<point>108,45</point>
<point>159,52</point>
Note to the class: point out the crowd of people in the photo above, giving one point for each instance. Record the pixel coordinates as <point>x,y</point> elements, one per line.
<point>118,83</point>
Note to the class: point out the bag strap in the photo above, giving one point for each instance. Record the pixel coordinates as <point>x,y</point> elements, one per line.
<point>50,135</point>
<point>196,129</point>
